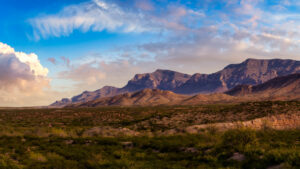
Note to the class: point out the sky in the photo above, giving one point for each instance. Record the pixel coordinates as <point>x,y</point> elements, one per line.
<point>55,49</point>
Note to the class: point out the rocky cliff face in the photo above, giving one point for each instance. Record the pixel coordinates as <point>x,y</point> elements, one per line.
<point>279,122</point>
<point>249,72</point>
<point>160,79</point>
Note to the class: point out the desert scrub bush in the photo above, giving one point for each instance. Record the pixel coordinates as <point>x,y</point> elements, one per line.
<point>289,156</point>
<point>58,162</point>
<point>98,161</point>
<point>7,163</point>
<point>37,157</point>
<point>58,132</point>
<point>238,139</point>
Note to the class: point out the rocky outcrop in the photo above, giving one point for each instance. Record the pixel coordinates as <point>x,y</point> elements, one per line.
<point>61,103</point>
<point>279,122</point>
<point>107,131</point>
<point>160,79</point>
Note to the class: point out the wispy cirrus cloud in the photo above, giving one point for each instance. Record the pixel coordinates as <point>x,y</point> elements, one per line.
<point>52,60</point>
<point>99,15</point>
<point>95,15</point>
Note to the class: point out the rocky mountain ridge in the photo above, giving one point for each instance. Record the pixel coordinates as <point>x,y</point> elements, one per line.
<point>280,88</point>
<point>249,72</point>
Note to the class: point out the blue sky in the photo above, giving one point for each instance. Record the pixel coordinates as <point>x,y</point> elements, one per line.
<point>71,46</point>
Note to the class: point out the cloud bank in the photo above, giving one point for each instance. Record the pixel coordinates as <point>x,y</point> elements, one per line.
<point>21,75</point>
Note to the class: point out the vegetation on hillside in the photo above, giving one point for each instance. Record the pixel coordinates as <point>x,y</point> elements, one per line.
<point>106,137</point>
<point>242,148</point>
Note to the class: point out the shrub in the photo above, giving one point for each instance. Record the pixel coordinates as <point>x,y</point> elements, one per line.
<point>7,163</point>
<point>238,139</point>
<point>37,157</point>
<point>59,132</point>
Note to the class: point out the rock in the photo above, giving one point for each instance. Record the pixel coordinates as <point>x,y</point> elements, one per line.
<point>69,142</point>
<point>280,166</point>
<point>238,157</point>
<point>127,144</point>
<point>279,122</point>
<point>189,150</point>
<point>109,132</point>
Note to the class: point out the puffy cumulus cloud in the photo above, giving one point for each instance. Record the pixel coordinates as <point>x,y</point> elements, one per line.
<point>21,71</point>
<point>21,75</point>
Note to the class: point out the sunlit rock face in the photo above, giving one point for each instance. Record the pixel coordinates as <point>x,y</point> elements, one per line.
<point>249,72</point>
<point>160,79</point>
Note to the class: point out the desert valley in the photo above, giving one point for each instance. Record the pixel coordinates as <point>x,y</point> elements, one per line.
<point>244,116</point>
<point>150,84</point>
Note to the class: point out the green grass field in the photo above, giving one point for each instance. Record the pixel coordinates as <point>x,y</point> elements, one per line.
<point>58,138</point>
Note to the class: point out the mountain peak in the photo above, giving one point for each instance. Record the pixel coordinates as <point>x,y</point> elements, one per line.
<point>250,72</point>
<point>162,70</point>
<point>159,79</point>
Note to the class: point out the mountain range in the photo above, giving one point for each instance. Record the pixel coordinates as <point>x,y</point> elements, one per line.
<point>280,88</point>
<point>251,72</point>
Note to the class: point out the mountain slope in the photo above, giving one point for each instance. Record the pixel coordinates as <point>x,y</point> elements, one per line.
<point>154,97</point>
<point>86,96</point>
<point>160,79</point>
<point>144,97</point>
<point>280,88</point>
<point>249,72</point>
<point>283,87</point>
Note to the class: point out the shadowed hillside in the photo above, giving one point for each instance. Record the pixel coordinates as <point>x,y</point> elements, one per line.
<point>249,72</point>
<point>284,87</point>
<point>279,88</point>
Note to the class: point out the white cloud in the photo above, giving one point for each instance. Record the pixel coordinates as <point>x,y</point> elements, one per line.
<point>95,15</point>
<point>21,75</point>
<point>99,15</point>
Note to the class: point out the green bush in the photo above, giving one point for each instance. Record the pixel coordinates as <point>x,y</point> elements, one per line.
<point>238,139</point>
<point>7,163</point>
